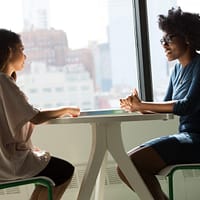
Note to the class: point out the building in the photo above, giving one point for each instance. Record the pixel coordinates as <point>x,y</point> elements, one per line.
<point>35,14</point>
<point>46,45</point>
<point>49,87</point>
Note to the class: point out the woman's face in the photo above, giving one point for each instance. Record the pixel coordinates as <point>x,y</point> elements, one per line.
<point>175,46</point>
<point>18,57</point>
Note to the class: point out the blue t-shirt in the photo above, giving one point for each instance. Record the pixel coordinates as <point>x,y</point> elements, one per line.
<point>184,86</point>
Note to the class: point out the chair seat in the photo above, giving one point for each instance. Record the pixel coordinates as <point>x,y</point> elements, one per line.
<point>171,169</point>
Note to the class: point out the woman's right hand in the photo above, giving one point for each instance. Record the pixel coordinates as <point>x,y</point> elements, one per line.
<point>73,111</point>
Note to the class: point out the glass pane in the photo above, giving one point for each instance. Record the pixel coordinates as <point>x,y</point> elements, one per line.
<point>189,6</point>
<point>161,68</point>
<point>78,52</point>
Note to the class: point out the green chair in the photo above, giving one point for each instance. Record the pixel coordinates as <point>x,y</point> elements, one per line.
<point>39,180</point>
<point>169,172</point>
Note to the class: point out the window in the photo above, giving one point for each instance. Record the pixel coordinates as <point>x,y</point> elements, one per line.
<point>90,43</point>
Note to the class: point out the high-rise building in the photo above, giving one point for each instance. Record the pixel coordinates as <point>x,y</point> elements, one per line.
<point>36,14</point>
<point>121,40</point>
<point>48,46</point>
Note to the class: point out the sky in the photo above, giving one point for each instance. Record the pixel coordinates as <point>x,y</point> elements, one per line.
<point>190,5</point>
<point>82,20</point>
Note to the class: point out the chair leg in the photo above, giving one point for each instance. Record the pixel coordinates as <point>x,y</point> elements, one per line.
<point>170,185</point>
<point>50,192</point>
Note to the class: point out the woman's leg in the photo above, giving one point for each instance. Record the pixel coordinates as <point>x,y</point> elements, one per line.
<point>36,192</point>
<point>61,172</point>
<point>59,190</point>
<point>148,164</point>
<point>41,193</point>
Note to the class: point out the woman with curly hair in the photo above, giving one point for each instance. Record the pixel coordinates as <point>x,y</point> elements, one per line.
<point>19,157</point>
<point>180,41</point>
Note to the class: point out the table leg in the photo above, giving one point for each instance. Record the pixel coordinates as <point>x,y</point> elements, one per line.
<point>100,182</point>
<point>116,148</point>
<point>97,153</point>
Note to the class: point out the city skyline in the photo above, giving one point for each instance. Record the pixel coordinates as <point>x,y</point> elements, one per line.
<point>116,57</point>
<point>72,14</point>
<point>91,13</point>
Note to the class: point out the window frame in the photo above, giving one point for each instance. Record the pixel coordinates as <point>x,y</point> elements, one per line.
<point>142,49</point>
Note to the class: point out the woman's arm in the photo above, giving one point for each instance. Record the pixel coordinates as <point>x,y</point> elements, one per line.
<point>158,107</point>
<point>46,115</point>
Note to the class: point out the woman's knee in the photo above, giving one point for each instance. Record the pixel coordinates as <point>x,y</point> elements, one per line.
<point>147,159</point>
<point>71,169</point>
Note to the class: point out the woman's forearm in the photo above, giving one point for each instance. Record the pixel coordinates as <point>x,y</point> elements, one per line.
<point>156,107</point>
<point>46,115</point>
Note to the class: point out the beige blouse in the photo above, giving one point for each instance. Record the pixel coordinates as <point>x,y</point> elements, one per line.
<point>18,157</point>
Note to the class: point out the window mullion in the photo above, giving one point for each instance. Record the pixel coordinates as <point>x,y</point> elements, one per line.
<point>143,49</point>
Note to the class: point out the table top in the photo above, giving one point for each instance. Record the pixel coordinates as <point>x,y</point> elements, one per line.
<point>105,116</point>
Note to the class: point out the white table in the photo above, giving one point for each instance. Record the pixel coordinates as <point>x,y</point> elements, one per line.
<point>106,130</point>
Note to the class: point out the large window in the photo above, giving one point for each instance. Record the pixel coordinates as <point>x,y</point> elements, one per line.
<point>85,53</point>
<point>79,52</point>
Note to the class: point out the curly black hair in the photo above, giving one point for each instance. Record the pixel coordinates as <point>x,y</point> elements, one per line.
<point>182,23</point>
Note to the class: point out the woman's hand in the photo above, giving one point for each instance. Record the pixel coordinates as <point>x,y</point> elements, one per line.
<point>73,111</point>
<point>131,103</point>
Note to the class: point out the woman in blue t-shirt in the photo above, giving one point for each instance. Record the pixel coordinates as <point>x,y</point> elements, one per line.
<point>181,41</point>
